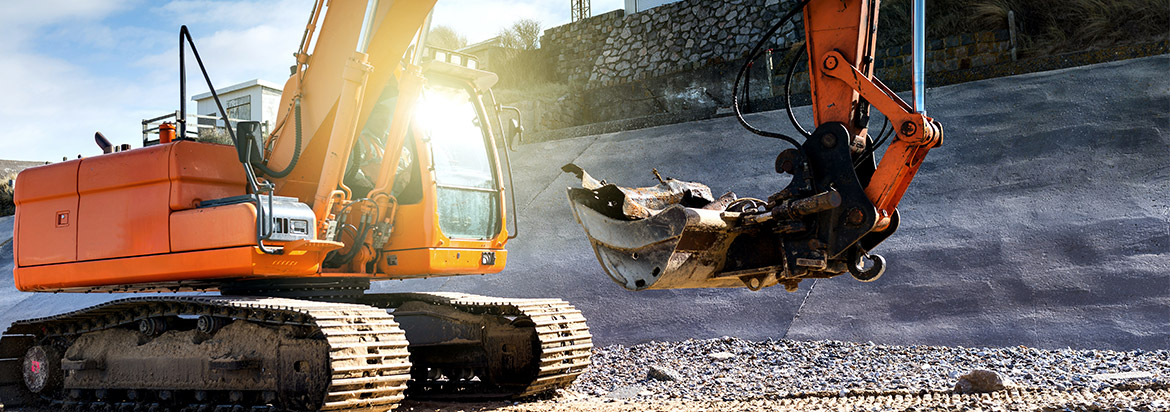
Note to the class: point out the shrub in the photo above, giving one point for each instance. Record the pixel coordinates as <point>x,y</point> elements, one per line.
<point>7,207</point>
<point>1043,26</point>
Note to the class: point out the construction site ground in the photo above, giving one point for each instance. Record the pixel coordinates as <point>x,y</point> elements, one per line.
<point>1042,222</point>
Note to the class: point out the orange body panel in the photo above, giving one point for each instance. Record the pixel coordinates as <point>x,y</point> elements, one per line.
<point>166,272</point>
<point>418,263</point>
<point>120,205</point>
<point>201,171</point>
<point>213,227</point>
<point>123,207</point>
<point>46,214</point>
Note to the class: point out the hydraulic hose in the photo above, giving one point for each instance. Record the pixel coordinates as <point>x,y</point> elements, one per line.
<point>296,150</point>
<point>788,91</point>
<point>756,53</point>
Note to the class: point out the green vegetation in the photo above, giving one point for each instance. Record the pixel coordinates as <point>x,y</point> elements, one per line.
<point>6,188</point>
<point>523,35</point>
<point>1043,26</point>
<point>523,66</point>
<point>445,37</point>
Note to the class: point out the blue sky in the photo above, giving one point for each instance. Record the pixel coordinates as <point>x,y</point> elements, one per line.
<point>69,68</point>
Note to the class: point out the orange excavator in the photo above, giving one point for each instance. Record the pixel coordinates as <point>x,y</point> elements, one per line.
<point>384,164</point>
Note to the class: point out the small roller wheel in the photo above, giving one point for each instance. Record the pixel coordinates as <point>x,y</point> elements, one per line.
<point>209,324</point>
<point>42,369</point>
<point>152,326</point>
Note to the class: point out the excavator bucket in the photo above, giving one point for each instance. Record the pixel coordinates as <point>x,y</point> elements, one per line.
<point>674,235</point>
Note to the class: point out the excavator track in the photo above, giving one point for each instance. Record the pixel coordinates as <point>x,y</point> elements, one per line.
<point>560,344</point>
<point>330,356</point>
<point>347,357</point>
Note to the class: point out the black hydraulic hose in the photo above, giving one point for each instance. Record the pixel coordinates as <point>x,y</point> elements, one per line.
<point>296,149</point>
<point>883,135</point>
<point>788,91</point>
<point>756,53</point>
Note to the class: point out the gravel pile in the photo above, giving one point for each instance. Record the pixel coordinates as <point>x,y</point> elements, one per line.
<point>732,369</point>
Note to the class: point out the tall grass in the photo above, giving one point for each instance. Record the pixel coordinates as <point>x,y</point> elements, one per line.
<point>1043,26</point>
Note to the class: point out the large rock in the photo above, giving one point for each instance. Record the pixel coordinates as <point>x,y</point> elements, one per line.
<point>663,373</point>
<point>981,381</point>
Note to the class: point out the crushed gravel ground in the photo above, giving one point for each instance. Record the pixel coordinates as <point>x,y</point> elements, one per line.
<point>730,374</point>
<point>733,369</point>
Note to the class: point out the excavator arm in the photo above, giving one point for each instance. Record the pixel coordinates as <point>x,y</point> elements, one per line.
<point>838,206</point>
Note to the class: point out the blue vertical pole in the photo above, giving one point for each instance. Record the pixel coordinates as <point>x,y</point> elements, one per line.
<point>918,72</point>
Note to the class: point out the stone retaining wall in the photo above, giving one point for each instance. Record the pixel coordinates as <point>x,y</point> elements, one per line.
<point>615,48</point>
<point>681,60</point>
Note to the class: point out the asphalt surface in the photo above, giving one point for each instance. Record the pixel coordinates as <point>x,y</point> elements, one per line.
<point>1043,221</point>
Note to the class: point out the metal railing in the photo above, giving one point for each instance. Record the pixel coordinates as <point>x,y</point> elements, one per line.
<point>212,123</point>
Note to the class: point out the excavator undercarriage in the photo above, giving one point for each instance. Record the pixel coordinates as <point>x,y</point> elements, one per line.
<point>261,353</point>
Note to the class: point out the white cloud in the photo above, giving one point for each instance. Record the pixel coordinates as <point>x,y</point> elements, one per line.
<point>57,107</point>
<point>481,20</point>
<point>20,20</point>
<point>231,56</point>
<point>42,12</point>
<point>293,13</point>
<point>52,106</point>
<point>51,101</point>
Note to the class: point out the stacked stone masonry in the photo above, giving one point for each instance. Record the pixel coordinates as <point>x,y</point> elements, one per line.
<point>681,58</point>
<point>615,48</point>
<point>948,54</point>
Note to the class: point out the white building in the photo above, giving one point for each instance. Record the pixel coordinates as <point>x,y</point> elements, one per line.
<point>251,100</point>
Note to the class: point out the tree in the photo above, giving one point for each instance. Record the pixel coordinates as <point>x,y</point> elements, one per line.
<point>445,37</point>
<point>524,35</point>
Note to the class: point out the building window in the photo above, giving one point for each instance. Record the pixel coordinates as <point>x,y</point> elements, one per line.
<point>240,108</point>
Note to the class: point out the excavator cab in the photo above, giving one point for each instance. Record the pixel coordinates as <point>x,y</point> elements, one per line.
<point>450,193</point>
